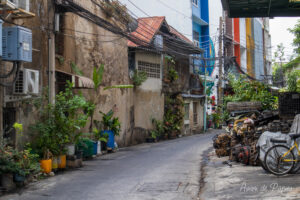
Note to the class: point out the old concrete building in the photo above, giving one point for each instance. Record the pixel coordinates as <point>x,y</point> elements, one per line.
<point>83,42</point>
<point>150,96</point>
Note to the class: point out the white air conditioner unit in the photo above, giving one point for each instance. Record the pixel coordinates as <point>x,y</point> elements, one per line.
<point>10,3</point>
<point>23,4</point>
<point>27,82</point>
<point>196,43</point>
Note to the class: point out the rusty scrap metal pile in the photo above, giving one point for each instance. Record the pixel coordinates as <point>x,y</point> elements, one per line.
<point>239,142</point>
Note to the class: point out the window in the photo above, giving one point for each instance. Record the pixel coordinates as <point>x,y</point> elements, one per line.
<point>196,36</point>
<point>152,69</point>
<point>186,111</point>
<point>195,2</point>
<point>195,113</point>
<point>61,81</point>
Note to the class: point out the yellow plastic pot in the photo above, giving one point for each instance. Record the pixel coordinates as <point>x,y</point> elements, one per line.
<point>62,162</point>
<point>46,166</point>
<point>55,163</point>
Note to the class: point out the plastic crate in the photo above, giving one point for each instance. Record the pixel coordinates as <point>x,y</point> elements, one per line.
<point>289,105</point>
<point>17,44</point>
<point>87,147</point>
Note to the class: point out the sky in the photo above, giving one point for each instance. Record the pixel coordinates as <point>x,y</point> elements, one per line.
<point>280,34</point>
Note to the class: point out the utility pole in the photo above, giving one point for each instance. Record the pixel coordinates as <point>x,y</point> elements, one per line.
<point>51,52</point>
<point>220,90</point>
<point>205,102</point>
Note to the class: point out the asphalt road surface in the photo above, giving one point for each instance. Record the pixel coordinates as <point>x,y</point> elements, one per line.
<point>160,171</point>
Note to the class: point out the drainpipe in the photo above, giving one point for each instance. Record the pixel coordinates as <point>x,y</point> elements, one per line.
<point>51,54</point>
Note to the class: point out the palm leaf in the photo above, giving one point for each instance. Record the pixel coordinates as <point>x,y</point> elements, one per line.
<point>118,86</point>
<point>98,76</point>
<point>75,69</point>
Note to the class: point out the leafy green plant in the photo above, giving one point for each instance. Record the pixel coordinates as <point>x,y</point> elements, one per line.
<point>139,77</point>
<point>247,90</point>
<point>76,69</point>
<point>292,81</point>
<point>216,118</point>
<point>98,136</point>
<point>22,163</point>
<point>98,73</point>
<point>158,129</point>
<point>60,124</point>
<point>174,116</point>
<point>172,74</point>
<point>111,123</point>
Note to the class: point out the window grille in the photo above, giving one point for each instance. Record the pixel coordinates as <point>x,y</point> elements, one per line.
<point>195,113</point>
<point>152,69</point>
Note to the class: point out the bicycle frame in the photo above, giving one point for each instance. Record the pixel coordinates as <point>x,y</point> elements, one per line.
<point>288,160</point>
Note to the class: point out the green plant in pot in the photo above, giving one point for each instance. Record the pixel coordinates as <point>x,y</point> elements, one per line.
<point>216,118</point>
<point>158,130</point>
<point>99,137</point>
<point>17,164</point>
<point>111,127</point>
<point>71,114</point>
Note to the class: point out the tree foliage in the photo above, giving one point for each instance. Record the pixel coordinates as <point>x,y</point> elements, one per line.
<point>247,90</point>
<point>296,32</point>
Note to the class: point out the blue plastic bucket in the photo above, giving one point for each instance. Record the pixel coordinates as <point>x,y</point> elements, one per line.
<point>111,138</point>
<point>95,148</point>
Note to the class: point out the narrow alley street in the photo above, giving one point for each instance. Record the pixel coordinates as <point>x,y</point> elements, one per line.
<point>165,170</point>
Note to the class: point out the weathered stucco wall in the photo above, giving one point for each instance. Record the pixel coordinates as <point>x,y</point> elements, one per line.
<point>148,99</point>
<point>89,46</point>
<point>25,112</point>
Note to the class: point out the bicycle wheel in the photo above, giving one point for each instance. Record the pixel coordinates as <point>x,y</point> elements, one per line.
<point>274,161</point>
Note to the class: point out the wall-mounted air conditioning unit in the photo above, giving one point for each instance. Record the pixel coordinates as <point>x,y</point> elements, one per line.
<point>27,82</point>
<point>10,3</point>
<point>23,4</point>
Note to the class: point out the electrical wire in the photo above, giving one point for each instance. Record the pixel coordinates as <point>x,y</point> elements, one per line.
<point>17,64</point>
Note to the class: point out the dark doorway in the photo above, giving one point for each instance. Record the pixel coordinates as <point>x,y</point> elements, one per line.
<point>9,118</point>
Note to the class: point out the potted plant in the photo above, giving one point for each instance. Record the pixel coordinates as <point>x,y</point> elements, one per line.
<point>27,163</point>
<point>100,138</point>
<point>7,167</point>
<point>111,127</point>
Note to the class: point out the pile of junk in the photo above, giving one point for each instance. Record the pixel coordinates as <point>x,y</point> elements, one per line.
<point>249,131</point>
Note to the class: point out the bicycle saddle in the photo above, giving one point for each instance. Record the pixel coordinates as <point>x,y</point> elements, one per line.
<point>294,136</point>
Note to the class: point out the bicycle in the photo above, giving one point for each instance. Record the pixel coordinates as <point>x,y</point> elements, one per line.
<point>280,159</point>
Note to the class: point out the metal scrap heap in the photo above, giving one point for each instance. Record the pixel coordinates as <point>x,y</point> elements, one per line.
<point>239,142</point>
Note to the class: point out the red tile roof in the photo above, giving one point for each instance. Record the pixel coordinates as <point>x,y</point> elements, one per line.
<point>147,28</point>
